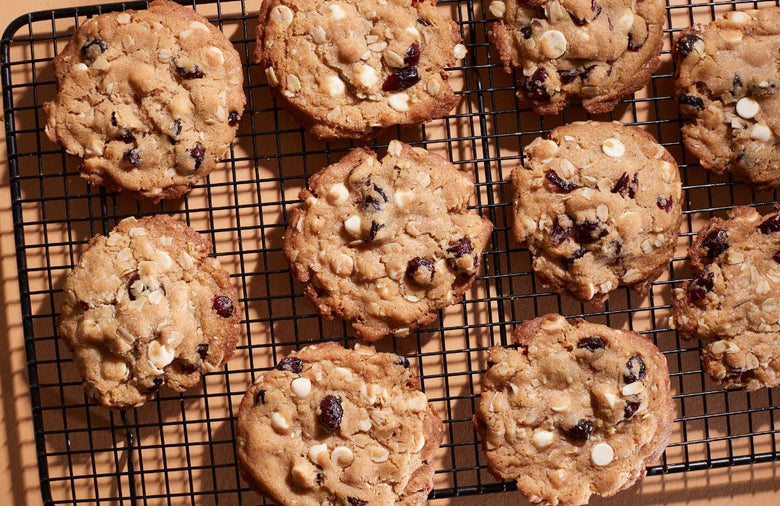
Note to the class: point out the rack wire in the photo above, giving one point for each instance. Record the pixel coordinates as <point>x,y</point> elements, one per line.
<point>179,448</point>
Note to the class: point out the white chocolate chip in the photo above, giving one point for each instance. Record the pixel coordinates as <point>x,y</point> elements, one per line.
<point>633,388</point>
<point>402,199</point>
<point>419,443</point>
<point>343,371</point>
<point>747,107</point>
<point>542,439</point>
<point>334,114</point>
<point>497,8</point>
<point>318,453</point>
<point>552,44</point>
<point>80,66</point>
<point>760,132</point>
<point>270,76</point>
<point>318,34</point>
<point>123,18</point>
<point>301,387</point>
<point>554,323</point>
<point>379,454</point>
<point>399,102</point>
<point>394,148</point>
<point>342,456</point>
<point>301,474</point>
<point>336,11</point>
<point>338,194</point>
<point>159,355</point>
<point>352,225</point>
<point>282,15</point>
<point>613,147</point>
<point>460,51</point>
<point>610,398</point>
<point>738,17</point>
<point>335,86</point>
<point>366,75</point>
<point>279,423</point>
<point>602,454</point>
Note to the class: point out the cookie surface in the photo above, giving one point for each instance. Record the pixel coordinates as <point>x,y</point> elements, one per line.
<point>598,204</point>
<point>577,409</point>
<point>349,69</point>
<point>727,83</point>
<point>145,307</point>
<point>338,427</point>
<point>731,302</point>
<point>150,99</point>
<point>385,243</point>
<point>593,51</point>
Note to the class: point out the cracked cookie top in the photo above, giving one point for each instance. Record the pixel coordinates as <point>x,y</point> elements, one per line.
<point>149,99</point>
<point>348,69</point>
<point>731,302</point>
<point>598,204</point>
<point>385,243</point>
<point>596,51</point>
<point>145,307</point>
<point>728,79</point>
<point>337,427</point>
<point>577,409</point>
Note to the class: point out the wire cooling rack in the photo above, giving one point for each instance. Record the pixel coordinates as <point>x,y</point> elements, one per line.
<point>178,449</point>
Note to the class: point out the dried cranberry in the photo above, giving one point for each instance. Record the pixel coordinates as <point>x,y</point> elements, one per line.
<point>776,258</point>
<point>156,384</point>
<point>176,127</point>
<point>634,45</point>
<point>203,350</point>
<point>83,305</point>
<point>291,364</point>
<point>93,49</point>
<point>684,45</point>
<point>370,202</point>
<point>381,192</point>
<point>716,242</point>
<point>353,501</point>
<point>198,154</point>
<point>113,119</point>
<point>736,82</point>
<point>558,234</point>
<point>126,136</point>
<point>595,7</point>
<point>416,265</point>
<point>591,343</point>
<point>461,248</point>
<point>630,409</point>
<point>233,118</point>
<point>401,79</point>
<point>664,203</point>
<point>260,397</point>
<point>564,186</point>
<point>423,22</point>
<point>133,157</point>
<point>527,31</point>
<point>535,87</point>
<point>412,56</point>
<point>636,369</point>
<point>568,76</point>
<point>188,368</point>
<point>580,432</point>
<point>770,225</point>
<point>701,285</point>
<point>621,185</point>
<point>578,253</point>
<point>403,361</point>
<point>195,73</point>
<point>577,21</point>
<point>223,306</point>
<point>692,102</point>
<point>589,232</point>
<point>374,230</point>
<point>331,412</point>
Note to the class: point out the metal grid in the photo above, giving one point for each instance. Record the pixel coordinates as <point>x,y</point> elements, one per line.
<point>179,449</point>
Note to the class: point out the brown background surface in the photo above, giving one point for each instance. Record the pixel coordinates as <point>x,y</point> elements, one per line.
<point>18,470</point>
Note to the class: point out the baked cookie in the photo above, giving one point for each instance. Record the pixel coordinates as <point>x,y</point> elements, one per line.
<point>728,73</point>
<point>577,409</point>
<point>149,99</point>
<point>598,204</point>
<point>593,51</point>
<point>338,427</point>
<point>147,307</point>
<point>732,302</point>
<point>349,69</point>
<point>385,243</point>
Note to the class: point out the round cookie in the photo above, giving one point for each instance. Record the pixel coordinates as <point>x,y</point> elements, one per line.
<point>338,427</point>
<point>385,243</point>
<point>728,74</point>
<point>149,99</point>
<point>731,302</point>
<point>145,307</point>
<point>593,51</point>
<point>598,204</point>
<point>577,409</point>
<point>349,69</point>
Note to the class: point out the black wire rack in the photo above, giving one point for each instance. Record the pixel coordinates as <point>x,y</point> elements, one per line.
<point>179,449</point>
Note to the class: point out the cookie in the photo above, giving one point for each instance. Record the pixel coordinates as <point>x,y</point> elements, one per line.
<point>151,99</point>
<point>339,427</point>
<point>146,307</point>
<point>385,243</point>
<point>349,69</point>
<point>598,204</point>
<point>577,409</point>
<point>731,302</point>
<point>593,51</point>
<point>728,73</point>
